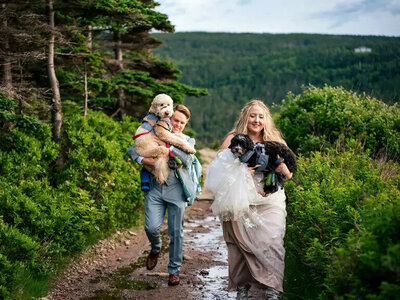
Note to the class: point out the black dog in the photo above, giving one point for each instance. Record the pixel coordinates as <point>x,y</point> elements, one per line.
<point>275,153</point>
<point>240,145</point>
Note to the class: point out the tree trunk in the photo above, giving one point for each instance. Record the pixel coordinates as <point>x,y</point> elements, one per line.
<point>86,93</point>
<point>7,75</point>
<point>56,100</point>
<point>89,43</point>
<point>90,37</point>
<point>118,57</point>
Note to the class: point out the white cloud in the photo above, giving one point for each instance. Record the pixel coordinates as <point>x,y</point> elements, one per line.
<point>244,2</point>
<point>377,17</point>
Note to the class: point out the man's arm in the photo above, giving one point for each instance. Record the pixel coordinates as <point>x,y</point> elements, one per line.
<point>134,155</point>
<point>149,161</point>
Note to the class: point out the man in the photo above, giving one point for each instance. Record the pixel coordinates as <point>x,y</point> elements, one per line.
<point>171,195</point>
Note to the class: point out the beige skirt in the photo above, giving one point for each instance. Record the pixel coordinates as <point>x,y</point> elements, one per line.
<point>255,245</point>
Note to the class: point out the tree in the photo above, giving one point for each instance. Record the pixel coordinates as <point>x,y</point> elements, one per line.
<point>6,64</point>
<point>56,99</point>
<point>22,40</point>
<point>122,73</point>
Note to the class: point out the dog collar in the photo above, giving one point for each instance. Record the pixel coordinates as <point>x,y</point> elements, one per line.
<point>245,157</point>
<point>169,126</point>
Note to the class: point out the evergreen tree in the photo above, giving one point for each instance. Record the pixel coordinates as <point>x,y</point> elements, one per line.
<point>23,40</point>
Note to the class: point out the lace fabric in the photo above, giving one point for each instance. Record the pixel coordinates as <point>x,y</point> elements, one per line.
<point>232,185</point>
<point>234,188</point>
<point>261,221</point>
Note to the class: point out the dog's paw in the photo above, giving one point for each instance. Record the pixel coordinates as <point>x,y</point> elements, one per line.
<point>161,181</point>
<point>190,150</point>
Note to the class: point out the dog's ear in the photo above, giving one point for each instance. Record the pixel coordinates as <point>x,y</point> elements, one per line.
<point>249,143</point>
<point>153,107</point>
<point>233,142</point>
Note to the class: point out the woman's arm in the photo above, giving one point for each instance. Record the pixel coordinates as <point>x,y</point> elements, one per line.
<point>225,144</point>
<point>282,168</point>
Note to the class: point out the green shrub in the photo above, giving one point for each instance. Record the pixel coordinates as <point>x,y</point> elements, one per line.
<point>343,226</point>
<point>320,117</point>
<point>47,216</point>
<point>367,263</point>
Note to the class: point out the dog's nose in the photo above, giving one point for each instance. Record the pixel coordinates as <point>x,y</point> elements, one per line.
<point>236,149</point>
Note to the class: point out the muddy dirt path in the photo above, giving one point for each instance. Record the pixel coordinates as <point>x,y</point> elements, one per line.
<point>115,267</point>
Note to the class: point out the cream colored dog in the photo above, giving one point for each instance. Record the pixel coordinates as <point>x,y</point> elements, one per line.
<point>146,146</point>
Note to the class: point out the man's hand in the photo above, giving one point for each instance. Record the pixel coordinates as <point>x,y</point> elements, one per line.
<point>148,161</point>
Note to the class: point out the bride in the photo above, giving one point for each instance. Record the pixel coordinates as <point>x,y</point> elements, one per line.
<point>253,223</point>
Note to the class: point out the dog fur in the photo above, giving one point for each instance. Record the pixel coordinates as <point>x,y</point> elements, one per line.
<point>241,144</point>
<point>273,149</point>
<point>162,107</point>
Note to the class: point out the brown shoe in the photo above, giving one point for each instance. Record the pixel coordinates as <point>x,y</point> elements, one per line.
<point>152,260</point>
<point>173,279</point>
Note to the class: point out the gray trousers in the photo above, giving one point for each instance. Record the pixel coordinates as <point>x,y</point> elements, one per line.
<point>159,198</point>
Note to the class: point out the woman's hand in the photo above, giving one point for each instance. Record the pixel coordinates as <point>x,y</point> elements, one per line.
<point>252,170</point>
<point>282,168</point>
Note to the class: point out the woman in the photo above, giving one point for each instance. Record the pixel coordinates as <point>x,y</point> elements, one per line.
<point>255,239</point>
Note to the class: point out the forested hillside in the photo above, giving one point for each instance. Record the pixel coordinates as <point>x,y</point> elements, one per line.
<point>238,67</point>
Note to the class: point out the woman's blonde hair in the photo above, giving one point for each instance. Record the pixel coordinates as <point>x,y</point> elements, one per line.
<point>270,132</point>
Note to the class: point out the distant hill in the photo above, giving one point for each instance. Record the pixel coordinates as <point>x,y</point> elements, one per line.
<point>238,67</point>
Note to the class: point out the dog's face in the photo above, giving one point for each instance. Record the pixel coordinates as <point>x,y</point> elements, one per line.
<point>162,106</point>
<point>240,144</point>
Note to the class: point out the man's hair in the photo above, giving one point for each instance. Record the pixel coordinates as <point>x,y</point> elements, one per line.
<point>183,109</point>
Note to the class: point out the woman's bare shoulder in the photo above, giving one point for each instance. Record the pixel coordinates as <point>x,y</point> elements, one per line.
<point>227,141</point>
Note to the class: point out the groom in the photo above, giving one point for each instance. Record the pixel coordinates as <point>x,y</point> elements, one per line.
<point>169,196</point>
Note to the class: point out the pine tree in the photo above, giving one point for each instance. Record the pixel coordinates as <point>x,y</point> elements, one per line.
<point>125,82</point>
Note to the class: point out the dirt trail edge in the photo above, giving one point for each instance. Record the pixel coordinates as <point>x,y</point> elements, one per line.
<point>114,268</point>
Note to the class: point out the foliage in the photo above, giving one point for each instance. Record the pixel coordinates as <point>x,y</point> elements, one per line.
<point>322,117</point>
<point>343,211</point>
<point>238,67</point>
<point>107,40</point>
<point>343,225</point>
<point>122,72</point>
<point>55,199</point>
<point>45,219</point>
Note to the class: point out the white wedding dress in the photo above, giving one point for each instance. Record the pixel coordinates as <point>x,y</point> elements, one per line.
<point>234,188</point>
<point>258,222</point>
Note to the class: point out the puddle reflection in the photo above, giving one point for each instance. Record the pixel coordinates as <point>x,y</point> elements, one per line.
<point>215,278</point>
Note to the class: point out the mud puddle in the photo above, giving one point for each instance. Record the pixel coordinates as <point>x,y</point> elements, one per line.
<point>214,279</point>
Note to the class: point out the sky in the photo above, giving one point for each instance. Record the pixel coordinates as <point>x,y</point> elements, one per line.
<point>359,17</point>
